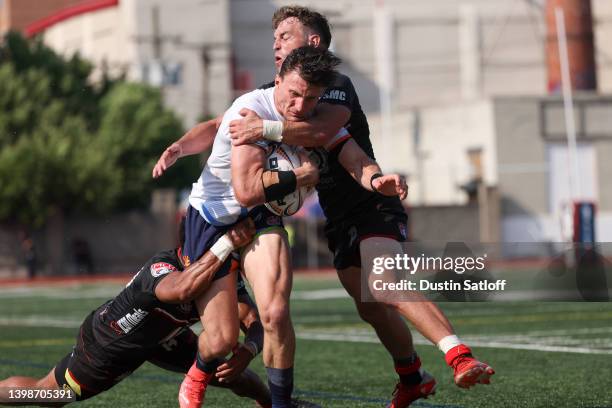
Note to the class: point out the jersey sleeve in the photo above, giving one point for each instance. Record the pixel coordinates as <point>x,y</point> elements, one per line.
<point>342,92</point>
<point>336,143</point>
<point>155,271</point>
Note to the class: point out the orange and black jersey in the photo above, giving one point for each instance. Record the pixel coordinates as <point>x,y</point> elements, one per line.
<point>136,320</point>
<point>340,196</point>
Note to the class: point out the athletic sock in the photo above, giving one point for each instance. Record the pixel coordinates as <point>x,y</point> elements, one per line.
<point>452,354</point>
<point>203,370</point>
<point>408,369</point>
<point>448,343</point>
<point>280,381</point>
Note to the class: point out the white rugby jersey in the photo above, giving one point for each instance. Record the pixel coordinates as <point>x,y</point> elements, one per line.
<point>212,195</point>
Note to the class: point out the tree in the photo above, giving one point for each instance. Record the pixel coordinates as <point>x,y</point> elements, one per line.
<point>67,145</point>
<point>135,129</point>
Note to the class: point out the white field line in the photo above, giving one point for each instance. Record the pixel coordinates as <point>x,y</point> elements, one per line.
<point>103,292</point>
<point>65,293</point>
<point>40,321</point>
<point>367,337</point>
<point>583,346</point>
<point>320,294</point>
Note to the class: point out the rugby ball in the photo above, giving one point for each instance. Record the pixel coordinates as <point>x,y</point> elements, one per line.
<point>283,157</point>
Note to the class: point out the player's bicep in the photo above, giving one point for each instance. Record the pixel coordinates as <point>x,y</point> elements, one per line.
<point>159,280</point>
<point>166,289</point>
<point>332,117</point>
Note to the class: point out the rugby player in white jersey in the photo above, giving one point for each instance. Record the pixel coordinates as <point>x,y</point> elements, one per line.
<point>234,184</point>
<point>295,27</point>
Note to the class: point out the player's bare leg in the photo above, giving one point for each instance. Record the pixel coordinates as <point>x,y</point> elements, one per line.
<point>218,309</point>
<point>430,321</point>
<point>267,265</point>
<point>388,324</point>
<point>394,334</point>
<point>48,382</point>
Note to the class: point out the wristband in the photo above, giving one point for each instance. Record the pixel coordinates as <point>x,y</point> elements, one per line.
<point>222,248</point>
<point>374,176</point>
<point>273,130</point>
<point>277,184</point>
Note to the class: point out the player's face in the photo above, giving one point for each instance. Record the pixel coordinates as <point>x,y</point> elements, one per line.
<point>295,99</point>
<point>289,35</point>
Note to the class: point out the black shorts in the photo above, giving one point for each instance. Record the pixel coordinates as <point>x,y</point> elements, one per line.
<point>89,370</point>
<point>379,220</point>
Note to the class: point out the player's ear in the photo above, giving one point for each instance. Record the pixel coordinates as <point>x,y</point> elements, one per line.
<point>277,80</point>
<point>314,40</point>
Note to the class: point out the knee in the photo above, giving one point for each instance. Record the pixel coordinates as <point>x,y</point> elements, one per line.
<point>372,312</point>
<point>218,343</point>
<point>275,317</point>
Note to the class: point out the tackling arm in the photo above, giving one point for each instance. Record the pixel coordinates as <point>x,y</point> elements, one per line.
<point>195,141</point>
<point>185,286</point>
<point>318,130</point>
<point>368,173</point>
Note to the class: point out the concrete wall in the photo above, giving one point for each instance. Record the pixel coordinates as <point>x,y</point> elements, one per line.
<point>196,36</point>
<point>525,128</point>
<point>102,37</point>
<point>119,244</point>
<point>602,12</point>
<point>446,135</point>
<point>193,38</point>
<point>444,223</point>
<point>427,61</point>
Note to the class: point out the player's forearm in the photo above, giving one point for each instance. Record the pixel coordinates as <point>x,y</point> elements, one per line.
<point>306,176</point>
<point>362,170</point>
<point>369,169</point>
<point>264,186</point>
<point>196,278</point>
<point>199,138</point>
<point>248,188</point>
<point>317,130</point>
<point>312,133</point>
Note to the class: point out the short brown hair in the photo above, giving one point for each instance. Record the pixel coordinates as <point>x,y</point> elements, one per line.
<point>315,66</point>
<point>311,19</point>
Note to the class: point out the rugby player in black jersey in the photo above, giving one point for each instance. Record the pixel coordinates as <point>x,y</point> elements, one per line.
<point>149,320</point>
<point>372,220</point>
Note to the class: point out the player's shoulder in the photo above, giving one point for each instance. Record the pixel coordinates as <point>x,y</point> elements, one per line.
<point>340,91</point>
<point>163,263</point>
<point>341,81</point>
<point>249,97</point>
<point>253,99</point>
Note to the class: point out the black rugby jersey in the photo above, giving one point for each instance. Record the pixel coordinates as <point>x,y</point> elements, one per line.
<point>136,320</point>
<point>340,195</point>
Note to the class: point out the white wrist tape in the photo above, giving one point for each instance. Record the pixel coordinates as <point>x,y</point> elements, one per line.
<point>222,248</point>
<point>448,343</point>
<point>273,130</point>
